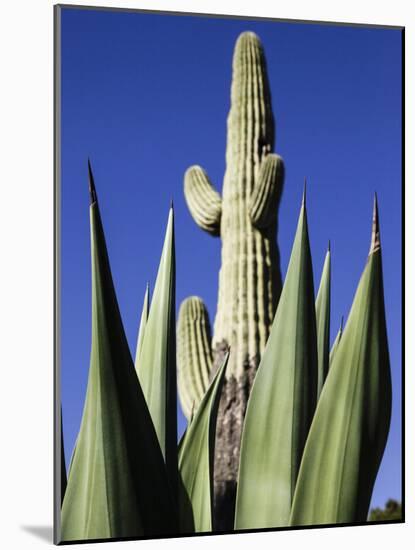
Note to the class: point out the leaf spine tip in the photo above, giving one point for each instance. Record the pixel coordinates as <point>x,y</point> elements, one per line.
<point>92,190</point>
<point>375,239</point>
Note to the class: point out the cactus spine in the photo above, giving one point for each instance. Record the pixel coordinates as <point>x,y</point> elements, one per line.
<point>249,279</point>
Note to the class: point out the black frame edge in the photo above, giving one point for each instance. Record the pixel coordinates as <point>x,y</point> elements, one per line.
<point>57,426</point>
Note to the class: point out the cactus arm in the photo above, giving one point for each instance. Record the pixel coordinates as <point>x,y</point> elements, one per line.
<point>266,193</point>
<point>194,356</point>
<point>204,202</point>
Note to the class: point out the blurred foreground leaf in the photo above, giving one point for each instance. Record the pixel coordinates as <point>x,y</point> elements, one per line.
<point>117,484</point>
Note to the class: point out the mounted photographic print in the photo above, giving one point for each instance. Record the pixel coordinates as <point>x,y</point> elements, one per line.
<point>228,227</point>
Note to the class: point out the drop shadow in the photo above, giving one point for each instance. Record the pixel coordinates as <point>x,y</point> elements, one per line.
<point>43,532</point>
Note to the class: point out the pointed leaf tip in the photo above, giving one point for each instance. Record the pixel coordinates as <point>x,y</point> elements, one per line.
<point>375,239</point>
<point>304,192</point>
<point>329,247</point>
<point>170,218</point>
<point>92,190</point>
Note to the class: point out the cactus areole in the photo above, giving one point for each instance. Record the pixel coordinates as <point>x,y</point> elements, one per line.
<point>245,218</point>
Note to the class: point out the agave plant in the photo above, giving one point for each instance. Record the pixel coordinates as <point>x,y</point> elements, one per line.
<point>316,422</point>
<point>320,465</point>
<point>348,435</point>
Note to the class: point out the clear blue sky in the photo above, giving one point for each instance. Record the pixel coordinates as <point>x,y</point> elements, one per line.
<point>145,96</point>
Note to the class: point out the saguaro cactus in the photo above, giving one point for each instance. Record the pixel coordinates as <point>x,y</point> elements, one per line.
<point>245,218</point>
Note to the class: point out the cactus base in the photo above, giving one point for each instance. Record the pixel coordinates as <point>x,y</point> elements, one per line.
<point>229,425</point>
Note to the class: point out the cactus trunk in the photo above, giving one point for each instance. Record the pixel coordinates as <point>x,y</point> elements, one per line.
<point>249,278</point>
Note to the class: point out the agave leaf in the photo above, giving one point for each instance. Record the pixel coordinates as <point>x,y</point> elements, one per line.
<point>117,479</point>
<point>196,454</point>
<point>349,431</point>
<point>282,400</point>
<point>183,438</point>
<point>323,323</point>
<point>143,323</point>
<point>336,343</point>
<point>72,457</point>
<point>157,371</point>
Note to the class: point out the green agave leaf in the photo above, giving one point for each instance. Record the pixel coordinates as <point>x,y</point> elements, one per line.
<point>336,343</point>
<point>117,484</point>
<point>282,400</point>
<point>350,428</point>
<point>72,457</point>
<point>323,323</point>
<point>143,323</point>
<point>196,454</point>
<point>183,438</point>
<point>157,369</point>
